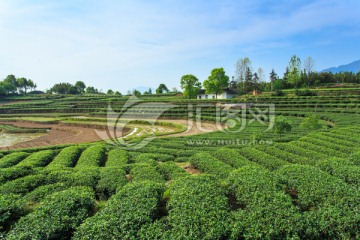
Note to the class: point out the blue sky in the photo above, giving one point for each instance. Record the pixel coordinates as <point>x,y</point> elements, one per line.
<point>124,45</point>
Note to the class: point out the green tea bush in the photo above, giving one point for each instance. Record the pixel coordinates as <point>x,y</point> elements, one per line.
<point>343,169</point>
<point>146,172</point>
<point>57,217</point>
<point>262,158</point>
<point>259,200</point>
<point>38,159</point>
<point>208,164</point>
<point>12,159</point>
<point>93,156</point>
<point>23,185</point>
<point>197,209</point>
<point>38,194</point>
<point>123,215</point>
<point>117,157</point>
<point>10,210</point>
<point>170,171</point>
<point>231,157</point>
<point>12,173</point>
<point>66,158</point>
<point>111,178</point>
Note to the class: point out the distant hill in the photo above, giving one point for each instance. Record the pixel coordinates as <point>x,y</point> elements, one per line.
<point>351,67</point>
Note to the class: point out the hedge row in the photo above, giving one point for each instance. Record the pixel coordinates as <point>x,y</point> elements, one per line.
<point>197,209</point>
<point>262,158</point>
<point>38,159</point>
<point>311,155</point>
<point>209,164</point>
<point>170,171</point>
<point>12,173</point>
<point>262,209</point>
<point>287,156</point>
<point>66,158</point>
<point>12,159</point>
<point>326,143</point>
<point>123,215</point>
<point>321,149</point>
<point>116,158</point>
<point>23,185</point>
<point>39,193</point>
<point>111,178</point>
<point>93,156</point>
<point>145,172</point>
<point>10,210</point>
<point>81,177</point>
<point>232,158</point>
<point>331,208</point>
<point>341,168</point>
<point>57,216</point>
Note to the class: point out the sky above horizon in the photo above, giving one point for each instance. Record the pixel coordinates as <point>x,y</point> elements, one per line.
<point>123,45</point>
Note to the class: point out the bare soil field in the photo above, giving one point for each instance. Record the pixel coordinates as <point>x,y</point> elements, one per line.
<point>63,133</point>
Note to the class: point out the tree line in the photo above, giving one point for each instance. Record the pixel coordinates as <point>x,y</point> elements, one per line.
<point>13,85</point>
<point>246,79</point>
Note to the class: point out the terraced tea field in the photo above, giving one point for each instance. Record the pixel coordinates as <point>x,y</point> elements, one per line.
<point>251,184</point>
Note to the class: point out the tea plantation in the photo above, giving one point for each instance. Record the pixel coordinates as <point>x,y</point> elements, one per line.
<point>251,184</point>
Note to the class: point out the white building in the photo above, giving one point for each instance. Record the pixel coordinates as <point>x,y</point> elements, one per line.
<point>226,94</point>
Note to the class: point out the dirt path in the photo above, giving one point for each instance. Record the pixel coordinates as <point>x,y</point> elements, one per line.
<point>63,133</point>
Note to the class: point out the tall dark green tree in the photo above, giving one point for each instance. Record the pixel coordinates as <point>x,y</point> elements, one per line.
<point>273,77</point>
<point>190,85</point>
<point>216,82</point>
<point>162,89</point>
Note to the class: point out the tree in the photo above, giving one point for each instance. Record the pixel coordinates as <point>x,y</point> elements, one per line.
<point>309,66</point>
<point>62,88</point>
<point>162,89</point>
<point>117,93</point>
<point>91,90</point>
<point>22,83</point>
<point>255,81</point>
<point>81,86</point>
<point>311,122</point>
<point>248,80</point>
<point>190,85</point>
<point>261,75</point>
<point>273,77</point>
<point>110,92</point>
<point>10,84</point>
<point>216,82</point>
<point>282,125</point>
<point>294,71</point>
<point>241,68</point>
<point>137,93</point>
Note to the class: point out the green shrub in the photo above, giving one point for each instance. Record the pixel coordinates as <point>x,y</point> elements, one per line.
<point>146,172</point>
<point>197,209</point>
<point>170,171</point>
<point>208,164</point>
<point>117,157</point>
<point>111,178</point>
<point>57,216</point>
<point>38,159</point>
<point>262,158</point>
<point>12,159</point>
<point>12,173</point>
<point>66,158</point>
<point>38,194</point>
<point>10,210</point>
<point>231,157</point>
<point>260,200</point>
<point>305,92</point>
<point>123,215</point>
<point>93,156</point>
<point>23,185</point>
<point>343,169</point>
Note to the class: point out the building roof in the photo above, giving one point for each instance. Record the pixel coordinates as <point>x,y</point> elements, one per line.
<point>227,90</point>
